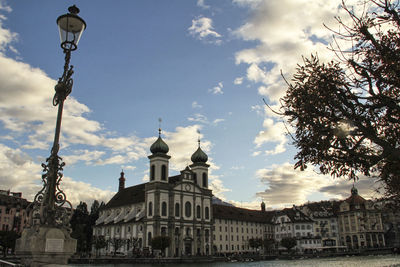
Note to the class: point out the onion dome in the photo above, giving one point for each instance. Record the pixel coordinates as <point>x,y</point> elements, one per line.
<point>159,146</point>
<point>199,156</point>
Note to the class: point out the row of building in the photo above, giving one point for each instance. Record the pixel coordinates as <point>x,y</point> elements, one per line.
<point>183,208</point>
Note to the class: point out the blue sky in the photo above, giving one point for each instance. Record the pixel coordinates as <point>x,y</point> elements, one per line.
<point>199,65</point>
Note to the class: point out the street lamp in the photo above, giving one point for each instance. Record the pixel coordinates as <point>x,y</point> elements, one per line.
<point>47,239</point>
<point>51,199</point>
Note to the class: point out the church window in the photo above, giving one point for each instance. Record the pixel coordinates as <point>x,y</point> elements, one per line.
<point>188,209</point>
<point>195,178</point>
<point>164,209</point>
<point>150,208</point>
<point>152,172</point>
<point>163,172</point>
<point>198,211</point>
<point>177,208</point>
<point>207,213</point>
<point>204,179</point>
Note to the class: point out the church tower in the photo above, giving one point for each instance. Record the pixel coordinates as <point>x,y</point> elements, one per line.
<point>200,167</point>
<point>159,160</point>
<point>121,182</point>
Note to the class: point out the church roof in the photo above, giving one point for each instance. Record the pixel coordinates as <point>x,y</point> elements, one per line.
<point>159,146</point>
<point>127,196</point>
<point>240,214</point>
<point>199,156</point>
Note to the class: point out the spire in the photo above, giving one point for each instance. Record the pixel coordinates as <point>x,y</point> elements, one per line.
<point>121,181</point>
<point>159,146</point>
<point>199,156</point>
<point>354,191</point>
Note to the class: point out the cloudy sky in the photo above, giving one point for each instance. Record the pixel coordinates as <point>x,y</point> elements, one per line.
<point>199,65</point>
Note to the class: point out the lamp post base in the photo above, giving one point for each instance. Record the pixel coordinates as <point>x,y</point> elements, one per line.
<point>45,245</point>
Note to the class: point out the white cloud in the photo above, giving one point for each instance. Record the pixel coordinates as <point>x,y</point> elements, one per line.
<point>217,121</point>
<point>4,6</point>
<point>286,186</point>
<point>273,132</point>
<point>238,80</point>
<point>201,4</point>
<point>19,173</point>
<point>202,29</point>
<point>196,105</point>
<point>199,118</point>
<point>217,90</point>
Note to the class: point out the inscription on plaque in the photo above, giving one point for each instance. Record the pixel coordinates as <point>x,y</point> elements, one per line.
<point>54,245</point>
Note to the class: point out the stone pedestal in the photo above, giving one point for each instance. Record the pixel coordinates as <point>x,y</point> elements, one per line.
<point>45,245</point>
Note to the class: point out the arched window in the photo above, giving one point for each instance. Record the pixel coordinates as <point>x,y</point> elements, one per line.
<point>177,209</point>
<point>204,179</point>
<point>150,208</point>
<point>207,213</point>
<point>198,212</point>
<point>188,209</point>
<point>163,172</point>
<point>195,178</point>
<point>164,209</point>
<point>152,172</point>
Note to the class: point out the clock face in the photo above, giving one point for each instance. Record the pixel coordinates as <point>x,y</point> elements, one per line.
<point>187,187</point>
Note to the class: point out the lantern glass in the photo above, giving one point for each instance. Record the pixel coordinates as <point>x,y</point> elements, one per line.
<point>71,28</point>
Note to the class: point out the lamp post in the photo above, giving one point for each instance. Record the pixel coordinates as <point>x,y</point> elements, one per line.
<point>51,198</point>
<point>47,240</point>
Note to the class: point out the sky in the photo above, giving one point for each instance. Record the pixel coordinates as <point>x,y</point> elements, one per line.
<point>203,67</point>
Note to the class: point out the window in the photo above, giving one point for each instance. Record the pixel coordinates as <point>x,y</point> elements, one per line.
<point>188,231</point>
<point>129,229</point>
<point>150,208</point>
<point>177,209</point>
<point>195,178</point>
<point>164,209</point>
<point>204,179</point>
<point>207,211</point>
<point>152,172</point>
<point>149,238</point>
<point>163,172</point>
<point>198,212</point>
<point>163,231</point>
<point>188,209</point>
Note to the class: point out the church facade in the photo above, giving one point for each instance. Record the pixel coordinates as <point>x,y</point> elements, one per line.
<point>178,207</point>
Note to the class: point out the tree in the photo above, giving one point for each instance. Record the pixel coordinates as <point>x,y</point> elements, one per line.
<point>268,244</point>
<point>80,224</point>
<point>346,113</point>
<point>255,242</point>
<point>117,243</point>
<point>160,242</point>
<point>99,242</point>
<point>288,243</point>
<point>7,240</point>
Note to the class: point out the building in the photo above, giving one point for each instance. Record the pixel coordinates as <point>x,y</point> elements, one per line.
<point>234,227</point>
<point>13,214</point>
<point>293,223</point>
<point>175,206</point>
<point>360,223</point>
<point>324,215</point>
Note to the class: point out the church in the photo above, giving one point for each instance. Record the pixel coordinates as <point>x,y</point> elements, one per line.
<point>175,206</point>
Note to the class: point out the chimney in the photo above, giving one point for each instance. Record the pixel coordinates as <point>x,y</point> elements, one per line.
<point>121,182</point>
